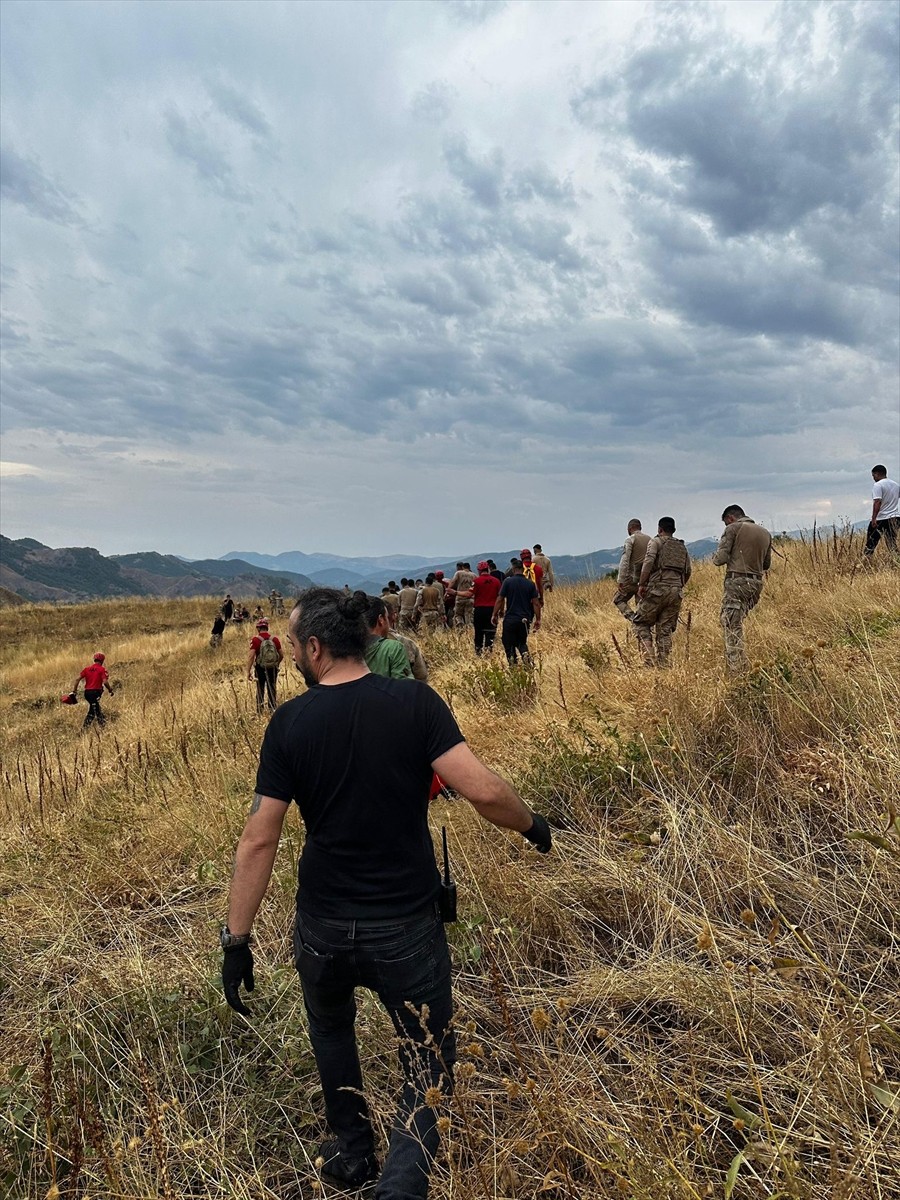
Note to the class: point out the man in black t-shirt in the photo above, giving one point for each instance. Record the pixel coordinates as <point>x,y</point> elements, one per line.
<point>517,604</point>
<point>357,753</point>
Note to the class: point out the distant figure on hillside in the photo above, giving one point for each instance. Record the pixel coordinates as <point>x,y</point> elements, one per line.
<point>517,604</point>
<point>218,628</point>
<point>630,565</point>
<point>485,590</point>
<point>259,613</point>
<point>885,522</point>
<point>495,570</point>
<point>546,566</point>
<point>346,590</point>
<point>745,551</point>
<point>430,604</point>
<point>666,569</point>
<point>95,678</point>
<point>384,656</point>
<point>228,607</point>
<point>408,598</point>
<point>263,661</point>
<point>391,599</point>
<point>533,571</point>
<point>461,586</point>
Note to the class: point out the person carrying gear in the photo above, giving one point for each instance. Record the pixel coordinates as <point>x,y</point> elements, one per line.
<point>263,661</point>
<point>630,568</point>
<point>95,678</point>
<point>745,551</point>
<point>666,569</point>
<point>533,571</point>
<point>358,754</point>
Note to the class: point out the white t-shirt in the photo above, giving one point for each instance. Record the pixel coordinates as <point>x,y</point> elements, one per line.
<point>888,493</point>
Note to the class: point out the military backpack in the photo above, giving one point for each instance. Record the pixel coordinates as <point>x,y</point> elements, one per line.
<point>267,654</point>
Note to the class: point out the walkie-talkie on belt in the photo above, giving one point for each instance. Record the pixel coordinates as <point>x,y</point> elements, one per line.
<point>448,887</point>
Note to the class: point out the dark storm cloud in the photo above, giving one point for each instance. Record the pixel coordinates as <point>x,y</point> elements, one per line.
<point>23,181</point>
<point>759,159</point>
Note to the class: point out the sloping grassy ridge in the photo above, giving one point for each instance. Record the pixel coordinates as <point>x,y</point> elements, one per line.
<point>696,994</point>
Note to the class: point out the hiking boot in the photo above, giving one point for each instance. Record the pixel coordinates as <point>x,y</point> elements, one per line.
<point>346,1172</point>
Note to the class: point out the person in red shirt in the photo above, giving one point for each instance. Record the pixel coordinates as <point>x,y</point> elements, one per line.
<point>485,590</point>
<point>264,660</point>
<point>95,678</point>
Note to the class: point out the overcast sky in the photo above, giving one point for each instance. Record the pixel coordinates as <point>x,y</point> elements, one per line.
<point>428,276</point>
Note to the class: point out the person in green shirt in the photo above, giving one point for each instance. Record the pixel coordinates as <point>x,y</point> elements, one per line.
<point>384,655</point>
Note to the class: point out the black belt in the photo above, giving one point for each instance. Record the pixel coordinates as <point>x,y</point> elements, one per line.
<point>742,575</point>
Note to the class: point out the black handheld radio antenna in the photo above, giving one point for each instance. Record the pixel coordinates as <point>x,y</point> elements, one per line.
<point>448,887</point>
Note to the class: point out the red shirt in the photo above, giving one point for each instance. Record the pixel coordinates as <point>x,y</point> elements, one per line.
<point>538,576</point>
<point>256,642</point>
<point>94,677</point>
<point>486,589</point>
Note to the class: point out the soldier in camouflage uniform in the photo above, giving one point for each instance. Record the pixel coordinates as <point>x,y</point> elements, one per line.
<point>666,569</point>
<point>408,598</point>
<point>630,565</point>
<point>745,551</point>
<point>417,663</point>
<point>463,606</point>
<point>546,566</point>
<point>430,604</point>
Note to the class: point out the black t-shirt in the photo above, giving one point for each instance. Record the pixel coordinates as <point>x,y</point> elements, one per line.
<point>519,593</point>
<point>357,759</point>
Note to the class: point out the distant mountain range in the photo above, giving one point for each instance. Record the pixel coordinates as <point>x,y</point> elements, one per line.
<point>32,571</point>
<point>371,574</point>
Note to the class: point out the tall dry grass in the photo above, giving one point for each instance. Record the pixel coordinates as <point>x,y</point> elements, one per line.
<point>696,994</point>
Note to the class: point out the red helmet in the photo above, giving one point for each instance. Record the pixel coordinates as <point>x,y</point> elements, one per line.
<point>439,574</point>
<point>525,554</point>
<point>99,658</point>
<point>69,698</point>
<point>262,623</point>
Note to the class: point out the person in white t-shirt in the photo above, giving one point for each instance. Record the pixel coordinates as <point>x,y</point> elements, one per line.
<point>885,521</point>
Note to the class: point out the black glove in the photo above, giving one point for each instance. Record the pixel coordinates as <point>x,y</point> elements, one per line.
<point>237,969</point>
<point>539,834</point>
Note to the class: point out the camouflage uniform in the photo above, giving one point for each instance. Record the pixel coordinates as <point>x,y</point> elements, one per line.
<point>431,606</point>
<point>630,572</point>
<point>464,606</point>
<point>745,550</point>
<point>391,602</point>
<point>670,569</point>
<point>408,598</point>
<point>547,566</point>
<point>417,663</point>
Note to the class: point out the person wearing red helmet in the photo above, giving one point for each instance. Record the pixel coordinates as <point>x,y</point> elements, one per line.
<point>264,660</point>
<point>95,678</point>
<point>533,571</point>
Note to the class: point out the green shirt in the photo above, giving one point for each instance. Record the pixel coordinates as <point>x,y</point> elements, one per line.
<point>389,658</point>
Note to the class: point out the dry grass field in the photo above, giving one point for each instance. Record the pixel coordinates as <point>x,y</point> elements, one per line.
<point>696,994</point>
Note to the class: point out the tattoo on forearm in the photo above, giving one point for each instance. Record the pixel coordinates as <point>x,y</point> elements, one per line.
<point>257,801</point>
